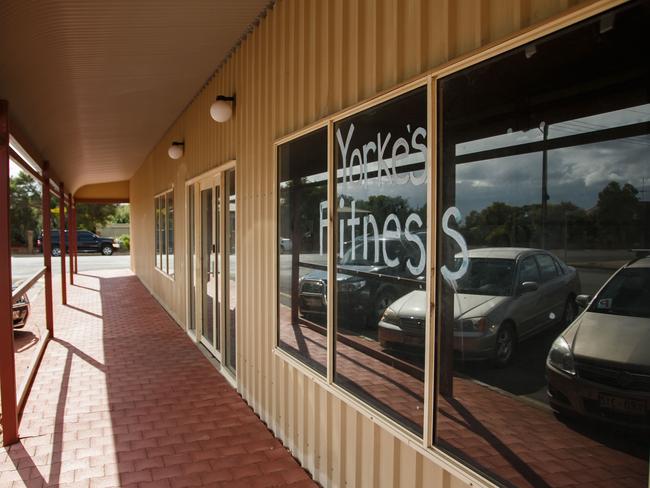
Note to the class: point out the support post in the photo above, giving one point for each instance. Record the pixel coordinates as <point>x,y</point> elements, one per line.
<point>7,359</point>
<point>62,243</point>
<point>545,196</point>
<point>72,237</point>
<point>47,248</point>
<point>76,250</point>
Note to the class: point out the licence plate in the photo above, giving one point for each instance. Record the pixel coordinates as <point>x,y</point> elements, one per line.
<point>313,302</point>
<point>636,407</point>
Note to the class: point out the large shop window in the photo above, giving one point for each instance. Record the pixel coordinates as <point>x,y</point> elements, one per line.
<point>544,281</point>
<point>380,287</point>
<point>380,156</point>
<point>164,232</point>
<point>302,263</point>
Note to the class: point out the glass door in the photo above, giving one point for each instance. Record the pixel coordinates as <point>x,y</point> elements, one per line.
<point>209,270</point>
<point>212,261</point>
<point>191,261</point>
<point>230,278</point>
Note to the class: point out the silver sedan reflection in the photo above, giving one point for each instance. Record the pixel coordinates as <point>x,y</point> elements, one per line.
<point>507,295</point>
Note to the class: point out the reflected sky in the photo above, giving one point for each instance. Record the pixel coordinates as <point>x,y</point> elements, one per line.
<point>575,174</point>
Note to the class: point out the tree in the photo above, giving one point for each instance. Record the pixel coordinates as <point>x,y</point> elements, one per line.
<point>25,207</point>
<point>93,215</point>
<point>383,205</point>
<point>617,211</point>
<point>122,215</point>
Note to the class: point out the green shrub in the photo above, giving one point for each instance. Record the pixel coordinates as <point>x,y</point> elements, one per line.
<point>125,242</point>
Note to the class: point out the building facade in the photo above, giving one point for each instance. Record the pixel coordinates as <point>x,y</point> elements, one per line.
<point>380,156</point>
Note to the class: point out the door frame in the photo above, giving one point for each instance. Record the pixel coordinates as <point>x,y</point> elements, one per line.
<point>191,265</point>
<point>211,183</point>
<point>211,178</point>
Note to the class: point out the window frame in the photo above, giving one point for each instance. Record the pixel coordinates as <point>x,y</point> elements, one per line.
<point>327,125</point>
<point>424,444</point>
<point>161,232</point>
<point>327,381</point>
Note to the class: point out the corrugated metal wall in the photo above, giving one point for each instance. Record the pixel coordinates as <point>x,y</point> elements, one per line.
<point>307,59</point>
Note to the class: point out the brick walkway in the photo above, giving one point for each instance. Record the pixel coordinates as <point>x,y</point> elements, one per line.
<point>124,399</point>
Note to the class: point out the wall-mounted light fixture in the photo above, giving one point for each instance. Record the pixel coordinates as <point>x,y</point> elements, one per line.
<point>221,109</point>
<point>176,150</point>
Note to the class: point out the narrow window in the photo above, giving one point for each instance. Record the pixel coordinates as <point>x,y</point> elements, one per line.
<point>170,233</point>
<point>302,260</point>
<point>164,232</point>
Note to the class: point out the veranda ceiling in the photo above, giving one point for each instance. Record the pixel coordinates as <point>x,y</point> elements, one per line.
<point>94,84</point>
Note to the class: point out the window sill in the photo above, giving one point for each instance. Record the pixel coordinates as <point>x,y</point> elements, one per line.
<point>171,278</point>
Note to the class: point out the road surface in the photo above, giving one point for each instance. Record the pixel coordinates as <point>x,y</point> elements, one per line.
<point>22,267</point>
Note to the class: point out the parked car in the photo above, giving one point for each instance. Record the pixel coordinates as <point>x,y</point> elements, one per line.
<point>506,296</point>
<point>20,311</point>
<point>365,286</point>
<point>599,366</point>
<point>86,242</point>
<point>285,244</point>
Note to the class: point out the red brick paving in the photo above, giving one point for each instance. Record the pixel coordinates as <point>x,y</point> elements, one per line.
<point>522,445</point>
<point>124,399</point>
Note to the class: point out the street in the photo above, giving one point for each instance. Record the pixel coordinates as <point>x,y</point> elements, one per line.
<point>22,267</point>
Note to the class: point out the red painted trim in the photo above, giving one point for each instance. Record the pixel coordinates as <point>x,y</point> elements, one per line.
<point>64,293</point>
<point>7,359</point>
<point>72,237</point>
<point>74,225</point>
<point>47,248</point>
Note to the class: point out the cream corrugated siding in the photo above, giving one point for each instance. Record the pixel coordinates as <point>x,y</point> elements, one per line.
<point>307,59</point>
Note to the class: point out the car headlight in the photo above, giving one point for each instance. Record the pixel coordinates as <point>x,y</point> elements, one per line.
<point>476,324</point>
<point>390,316</point>
<point>351,286</point>
<point>561,357</point>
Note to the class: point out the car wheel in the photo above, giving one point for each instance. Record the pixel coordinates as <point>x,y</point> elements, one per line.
<point>385,298</point>
<point>505,345</point>
<point>570,311</point>
<point>107,250</point>
<point>56,251</point>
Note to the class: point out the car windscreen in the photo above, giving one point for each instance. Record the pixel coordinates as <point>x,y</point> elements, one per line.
<point>394,249</point>
<point>627,293</point>
<point>487,276</point>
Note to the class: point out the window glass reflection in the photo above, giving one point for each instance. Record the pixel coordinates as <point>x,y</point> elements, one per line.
<point>156,231</point>
<point>231,275</point>
<point>380,157</point>
<point>543,283</point>
<point>302,260</point>
<point>170,233</point>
